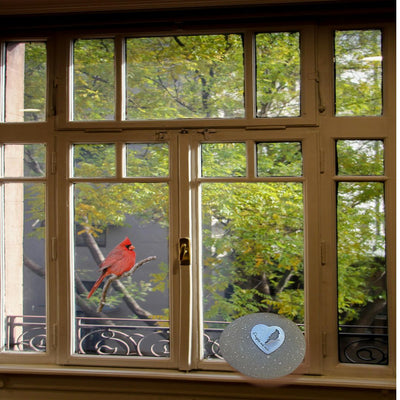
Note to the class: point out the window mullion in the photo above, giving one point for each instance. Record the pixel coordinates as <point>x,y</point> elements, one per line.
<point>119,78</point>
<point>312,256</point>
<point>185,348</point>
<point>249,71</point>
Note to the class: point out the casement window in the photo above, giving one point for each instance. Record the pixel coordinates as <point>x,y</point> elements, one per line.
<point>252,169</point>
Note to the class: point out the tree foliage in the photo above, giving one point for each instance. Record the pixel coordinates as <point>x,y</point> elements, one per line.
<point>185,77</point>
<point>358,68</point>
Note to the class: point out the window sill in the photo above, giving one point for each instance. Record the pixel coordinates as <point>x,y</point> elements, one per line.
<point>197,376</point>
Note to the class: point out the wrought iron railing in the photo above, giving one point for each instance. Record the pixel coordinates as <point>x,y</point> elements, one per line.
<point>122,336</point>
<point>25,333</point>
<point>363,344</point>
<point>150,338</point>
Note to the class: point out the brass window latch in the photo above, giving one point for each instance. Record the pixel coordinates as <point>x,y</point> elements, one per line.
<point>184,251</point>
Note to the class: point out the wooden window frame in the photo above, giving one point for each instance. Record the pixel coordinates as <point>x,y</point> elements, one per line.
<point>318,122</point>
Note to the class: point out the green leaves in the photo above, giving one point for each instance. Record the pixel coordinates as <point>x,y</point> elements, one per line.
<point>361,246</point>
<point>278,74</point>
<point>185,77</point>
<point>94,80</point>
<point>358,68</point>
<point>252,248</point>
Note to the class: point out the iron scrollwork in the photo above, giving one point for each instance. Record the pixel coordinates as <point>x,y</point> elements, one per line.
<point>140,338</point>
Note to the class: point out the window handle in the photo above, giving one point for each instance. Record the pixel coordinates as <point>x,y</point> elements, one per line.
<point>184,251</point>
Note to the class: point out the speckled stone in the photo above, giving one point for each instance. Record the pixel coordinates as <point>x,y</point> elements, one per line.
<point>242,353</point>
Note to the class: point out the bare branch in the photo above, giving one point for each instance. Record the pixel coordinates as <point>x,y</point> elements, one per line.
<point>36,268</point>
<point>80,288</point>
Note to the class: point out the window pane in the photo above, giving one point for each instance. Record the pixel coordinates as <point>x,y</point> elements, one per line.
<point>26,82</point>
<point>135,318</point>
<point>184,77</point>
<point>252,254</point>
<point>358,68</point>
<point>278,74</point>
<point>223,159</point>
<point>360,157</point>
<point>93,160</point>
<point>24,273</point>
<point>93,80</point>
<point>279,159</point>
<point>147,159</point>
<point>30,158</point>
<point>361,273</point>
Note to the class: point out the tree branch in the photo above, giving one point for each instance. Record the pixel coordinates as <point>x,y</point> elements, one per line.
<point>80,288</point>
<point>284,280</point>
<point>93,247</point>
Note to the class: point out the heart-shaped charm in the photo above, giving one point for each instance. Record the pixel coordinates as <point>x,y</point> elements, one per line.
<point>267,338</point>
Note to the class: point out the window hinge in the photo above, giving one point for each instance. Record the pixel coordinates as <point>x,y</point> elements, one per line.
<point>323,252</point>
<point>54,334</point>
<point>161,135</point>
<point>207,133</point>
<point>54,100</point>
<point>315,77</point>
<point>322,161</point>
<point>53,162</point>
<point>53,249</point>
<point>324,344</point>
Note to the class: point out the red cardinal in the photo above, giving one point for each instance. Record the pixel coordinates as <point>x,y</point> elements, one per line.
<point>120,259</point>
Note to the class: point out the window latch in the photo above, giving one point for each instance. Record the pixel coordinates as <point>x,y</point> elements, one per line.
<point>184,251</point>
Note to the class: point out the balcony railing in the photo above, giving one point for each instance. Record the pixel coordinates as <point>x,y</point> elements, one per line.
<point>150,338</point>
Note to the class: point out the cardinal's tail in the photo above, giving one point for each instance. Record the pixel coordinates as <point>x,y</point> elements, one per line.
<point>96,285</point>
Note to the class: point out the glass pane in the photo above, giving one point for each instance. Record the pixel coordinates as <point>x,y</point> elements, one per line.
<point>184,77</point>
<point>278,74</point>
<point>147,159</point>
<point>252,254</point>
<point>223,159</point>
<point>358,68</point>
<point>93,160</point>
<point>27,160</point>
<point>26,82</point>
<point>135,318</point>
<point>279,159</point>
<point>360,157</point>
<point>361,273</point>
<point>24,272</point>
<point>94,80</point>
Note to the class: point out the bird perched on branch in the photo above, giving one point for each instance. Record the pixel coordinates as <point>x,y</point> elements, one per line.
<point>120,260</point>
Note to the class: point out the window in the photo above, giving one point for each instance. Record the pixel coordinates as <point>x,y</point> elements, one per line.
<point>251,169</point>
<point>278,74</point>
<point>174,77</point>
<point>23,216</point>
<point>252,233</point>
<point>24,92</point>
<point>119,208</point>
<point>358,68</point>
<point>361,247</point>
<point>93,86</point>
